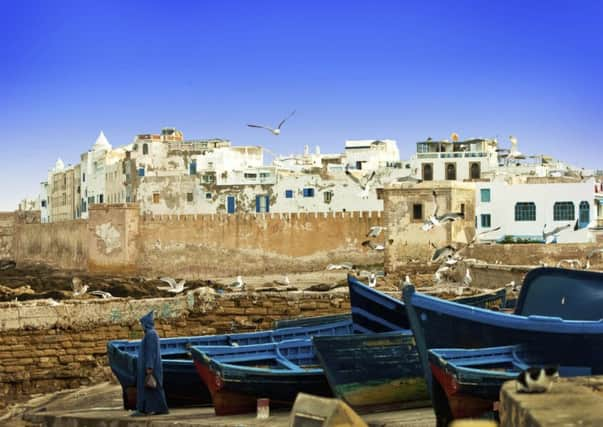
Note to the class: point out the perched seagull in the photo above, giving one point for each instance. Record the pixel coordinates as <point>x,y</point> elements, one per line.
<point>276,131</point>
<point>513,286</point>
<point>406,282</point>
<point>467,279</point>
<point>375,231</point>
<point>238,285</point>
<point>551,236</point>
<point>342,266</point>
<point>372,280</point>
<point>373,246</point>
<point>573,263</point>
<point>435,221</point>
<point>592,254</point>
<point>175,287</point>
<point>284,282</point>
<point>537,380</point>
<point>102,294</point>
<point>78,288</point>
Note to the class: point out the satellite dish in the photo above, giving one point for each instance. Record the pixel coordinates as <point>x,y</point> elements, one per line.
<point>454,137</point>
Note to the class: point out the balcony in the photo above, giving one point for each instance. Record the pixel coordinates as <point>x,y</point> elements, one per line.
<point>452,155</point>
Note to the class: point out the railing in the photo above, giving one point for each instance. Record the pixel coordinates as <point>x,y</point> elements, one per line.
<point>450,155</point>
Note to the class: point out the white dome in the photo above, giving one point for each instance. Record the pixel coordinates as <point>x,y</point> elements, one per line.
<point>101,143</point>
<point>59,165</point>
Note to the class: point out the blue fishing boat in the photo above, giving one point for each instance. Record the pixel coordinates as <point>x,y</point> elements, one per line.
<point>375,311</point>
<point>373,372</point>
<point>182,385</point>
<point>576,341</point>
<point>311,321</point>
<point>237,376</point>
<point>471,378</point>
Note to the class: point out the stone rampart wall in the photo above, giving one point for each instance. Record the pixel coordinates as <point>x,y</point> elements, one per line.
<point>45,348</point>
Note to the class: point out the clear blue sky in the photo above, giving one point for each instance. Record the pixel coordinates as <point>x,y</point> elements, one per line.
<point>391,69</point>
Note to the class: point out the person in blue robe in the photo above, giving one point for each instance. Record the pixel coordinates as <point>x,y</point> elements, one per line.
<point>149,401</point>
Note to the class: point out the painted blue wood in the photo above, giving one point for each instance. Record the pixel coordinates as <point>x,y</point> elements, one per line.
<point>231,204</point>
<point>310,321</point>
<point>482,372</point>
<point>569,294</point>
<point>182,384</point>
<point>375,311</point>
<point>278,371</point>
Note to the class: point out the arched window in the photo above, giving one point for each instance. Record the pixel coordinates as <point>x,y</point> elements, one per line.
<point>584,214</point>
<point>563,211</point>
<point>427,172</point>
<point>145,148</point>
<point>525,211</point>
<point>451,171</point>
<point>475,171</point>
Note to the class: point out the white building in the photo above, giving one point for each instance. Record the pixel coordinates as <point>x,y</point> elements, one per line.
<point>93,174</point>
<point>43,197</point>
<point>371,154</point>
<point>524,210</point>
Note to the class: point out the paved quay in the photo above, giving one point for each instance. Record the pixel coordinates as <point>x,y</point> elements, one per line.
<point>101,406</point>
<point>571,402</point>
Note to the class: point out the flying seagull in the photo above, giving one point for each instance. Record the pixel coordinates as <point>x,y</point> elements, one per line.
<point>444,252</point>
<point>375,231</point>
<point>373,246</point>
<point>101,294</point>
<point>551,236</point>
<point>364,182</point>
<point>342,266</point>
<point>78,288</point>
<point>174,287</point>
<point>276,131</point>
<point>435,221</point>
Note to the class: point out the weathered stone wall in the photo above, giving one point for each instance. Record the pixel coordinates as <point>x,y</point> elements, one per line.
<point>61,244</point>
<point>46,348</point>
<point>113,238</point>
<point>193,246</point>
<point>7,230</point>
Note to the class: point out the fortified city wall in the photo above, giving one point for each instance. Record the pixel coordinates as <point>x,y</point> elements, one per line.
<point>117,240</point>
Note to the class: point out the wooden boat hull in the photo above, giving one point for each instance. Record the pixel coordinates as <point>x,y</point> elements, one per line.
<point>237,392</point>
<point>373,372</point>
<point>182,384</point>
<point>374,311</point>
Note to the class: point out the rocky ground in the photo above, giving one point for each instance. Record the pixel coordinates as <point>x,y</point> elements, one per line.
<point>38,282</point>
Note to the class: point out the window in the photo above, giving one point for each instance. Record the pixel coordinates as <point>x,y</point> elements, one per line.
<point>192,168</point>
<point>208,195</point>
<point>417,212</point>
<point>308,192</point>
<point>427,172</point>
<point>563,211</point>
<point>262,204</point>
<point>100,198</point>
<point>584,214</point>
<point>145,148</point>
<point>140,171</point>
<point>231,204</point>
<point>155,198</point>
<point>43,203</point>
<point>189,197</point>
<point>328,195</point>
<point>264,174</point>
<point>486,221</point>
<point>451,171</point>
<point>474,170</point>
<point>525,211</point>
<point>463,209</point>
<point>359,165</point>
<point>83,177</point>
<point>485,195</point>
<point>288,194</point>
<point>84,205</point>
<point>208,178</point>
<point>250,175</point>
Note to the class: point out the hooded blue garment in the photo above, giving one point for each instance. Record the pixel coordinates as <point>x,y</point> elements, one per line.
<point>149,356</point>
